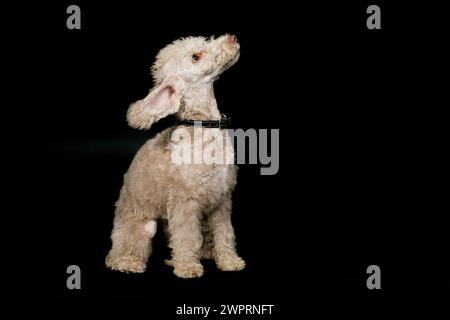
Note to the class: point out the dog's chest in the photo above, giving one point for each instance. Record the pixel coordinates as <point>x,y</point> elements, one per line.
<point>205,162</point>
<point>212,183</point>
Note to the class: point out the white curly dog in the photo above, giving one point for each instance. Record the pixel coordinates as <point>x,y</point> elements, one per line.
<point>194,199</point>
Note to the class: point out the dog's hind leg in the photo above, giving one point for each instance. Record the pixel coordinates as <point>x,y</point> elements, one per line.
<point>131,247</point>
<point>208,241</point>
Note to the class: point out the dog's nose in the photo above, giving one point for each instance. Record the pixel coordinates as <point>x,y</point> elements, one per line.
<point>232,38</point>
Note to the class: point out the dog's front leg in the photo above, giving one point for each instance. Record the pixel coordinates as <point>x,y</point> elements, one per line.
<point>224,250</point>
<point>186,239</point>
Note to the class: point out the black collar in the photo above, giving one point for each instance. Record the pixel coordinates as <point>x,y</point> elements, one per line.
<point>224,122</point>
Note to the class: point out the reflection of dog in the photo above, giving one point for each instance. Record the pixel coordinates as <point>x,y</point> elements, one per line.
<point>195,199</point>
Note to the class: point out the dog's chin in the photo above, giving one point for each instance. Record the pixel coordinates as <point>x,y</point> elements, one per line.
<point>227,65</point>
<point>232,61</point>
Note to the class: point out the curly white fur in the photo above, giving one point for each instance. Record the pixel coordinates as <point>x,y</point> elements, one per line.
<point>194,199</point>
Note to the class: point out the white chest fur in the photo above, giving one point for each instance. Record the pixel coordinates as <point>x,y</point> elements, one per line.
<point>208,146</point>
<point>204,160</point>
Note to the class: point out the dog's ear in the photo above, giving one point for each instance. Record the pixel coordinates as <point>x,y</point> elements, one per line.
<point>163,100</point>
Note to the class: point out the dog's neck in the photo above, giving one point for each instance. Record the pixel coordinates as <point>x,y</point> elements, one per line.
<point>199,103</point>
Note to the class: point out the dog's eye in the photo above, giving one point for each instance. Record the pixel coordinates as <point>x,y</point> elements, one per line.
<point>196,57</point>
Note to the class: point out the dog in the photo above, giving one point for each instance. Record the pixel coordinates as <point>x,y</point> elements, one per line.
<point>195,200</point>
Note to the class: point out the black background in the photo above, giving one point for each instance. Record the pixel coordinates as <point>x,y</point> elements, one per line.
<point>356,160</point>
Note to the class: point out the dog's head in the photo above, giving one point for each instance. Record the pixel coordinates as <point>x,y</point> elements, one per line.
<point>196,60</point>
<point>180,66</point>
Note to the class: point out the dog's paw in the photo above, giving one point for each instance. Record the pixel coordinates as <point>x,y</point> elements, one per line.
<point>188,270</point>
<point>230,263</point>
<point>168,262</point>
<point>126,264</point>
